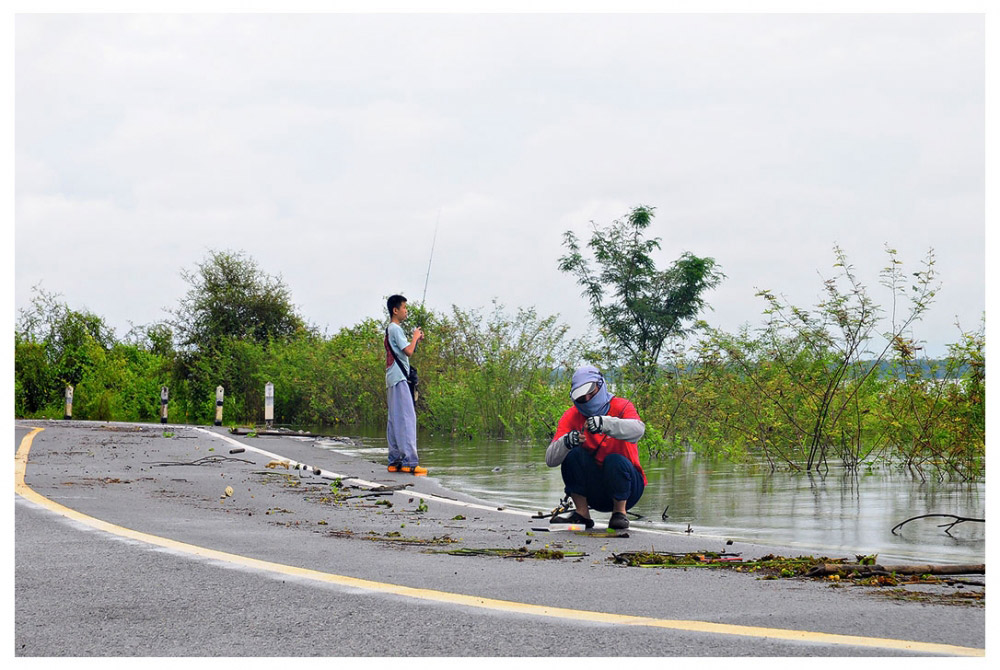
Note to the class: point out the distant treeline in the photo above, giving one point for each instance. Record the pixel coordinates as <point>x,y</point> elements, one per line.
<point>794,401</point>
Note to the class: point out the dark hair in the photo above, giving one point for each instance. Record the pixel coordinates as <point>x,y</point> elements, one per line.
<point>394,302</point>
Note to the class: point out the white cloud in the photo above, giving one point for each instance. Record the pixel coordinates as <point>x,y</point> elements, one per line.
<point>328,146</point>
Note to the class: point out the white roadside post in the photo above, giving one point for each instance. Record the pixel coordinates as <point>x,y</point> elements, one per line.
<point>69,403</point>
<point>164,394</point>
<point>220,393</point>
<point>269,404</point>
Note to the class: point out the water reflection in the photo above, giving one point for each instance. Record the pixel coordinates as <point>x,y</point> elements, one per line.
<point>838,514</point>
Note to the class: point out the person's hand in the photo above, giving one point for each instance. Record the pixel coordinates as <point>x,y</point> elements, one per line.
<point>573,439</point>
<point>418,334</point>
<point>595,424</point>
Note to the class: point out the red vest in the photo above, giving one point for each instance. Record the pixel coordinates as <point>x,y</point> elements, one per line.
<point>603,444</point>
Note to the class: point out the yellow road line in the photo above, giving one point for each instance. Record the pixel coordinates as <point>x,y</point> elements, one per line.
<point>812,637</point>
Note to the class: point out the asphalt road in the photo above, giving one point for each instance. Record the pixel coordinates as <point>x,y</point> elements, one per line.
<point>127,543</point>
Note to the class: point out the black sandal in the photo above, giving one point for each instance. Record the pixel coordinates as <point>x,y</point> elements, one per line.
<point>618,521</point>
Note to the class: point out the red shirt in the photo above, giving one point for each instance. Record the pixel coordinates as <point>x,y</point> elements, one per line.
<point>603,444</point>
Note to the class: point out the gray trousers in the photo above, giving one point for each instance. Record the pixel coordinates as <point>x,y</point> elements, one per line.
<point>401,430</point>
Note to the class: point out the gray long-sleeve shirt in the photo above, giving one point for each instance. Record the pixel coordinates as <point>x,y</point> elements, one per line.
<point>629,430</point>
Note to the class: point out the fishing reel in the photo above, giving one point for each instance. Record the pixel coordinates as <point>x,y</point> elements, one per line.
<point>565,505</point>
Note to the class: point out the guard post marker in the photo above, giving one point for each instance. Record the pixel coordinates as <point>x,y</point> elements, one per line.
<point>164,394</point>
<point>219,395</point>
<point>268,404</point>
<point>69,403</point>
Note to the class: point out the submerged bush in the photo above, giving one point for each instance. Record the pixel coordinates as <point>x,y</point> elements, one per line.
<point>807,388</point>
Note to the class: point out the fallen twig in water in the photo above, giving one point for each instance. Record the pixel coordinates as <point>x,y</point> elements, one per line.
<point>958,520</point>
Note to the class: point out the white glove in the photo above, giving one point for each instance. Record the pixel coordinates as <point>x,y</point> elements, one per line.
<point>573,439</point>
<point>595,424</point>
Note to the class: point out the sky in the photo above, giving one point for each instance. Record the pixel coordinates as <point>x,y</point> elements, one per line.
<point>335,149</point>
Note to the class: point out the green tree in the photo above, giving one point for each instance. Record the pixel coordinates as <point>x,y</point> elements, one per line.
<point>33,383</point>
<point>497,374</point>
<point>638,306</point>
<point>816,366</point>
<point>54,346</point>
<point>225,325</point>
<point>231,297</point>
<point>156,338</point>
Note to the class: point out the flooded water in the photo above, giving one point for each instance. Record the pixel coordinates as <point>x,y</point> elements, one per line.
<point>838,515</point>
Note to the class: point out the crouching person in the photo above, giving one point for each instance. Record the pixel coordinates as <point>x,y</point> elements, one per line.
<point>595,445</point>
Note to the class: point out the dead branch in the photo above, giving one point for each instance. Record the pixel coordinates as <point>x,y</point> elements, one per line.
<point>377,491</point>
<point>205,460</point>
<point>244,432</point>
<point>947,526</point>
<point>824,569</point>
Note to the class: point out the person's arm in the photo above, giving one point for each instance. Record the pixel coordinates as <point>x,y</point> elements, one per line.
<point>398,340</point>
<point>564,440</point>
<point>627,426</point>
<point>417,336</point>
<point>556,452</point>
<point>627,430</point>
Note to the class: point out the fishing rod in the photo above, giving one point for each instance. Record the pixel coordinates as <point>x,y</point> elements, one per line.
<point>421,317</point>
<point>423,300</point>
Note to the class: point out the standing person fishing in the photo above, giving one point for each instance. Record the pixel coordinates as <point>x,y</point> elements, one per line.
<point>595,445</point>
<point>400,383</point>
